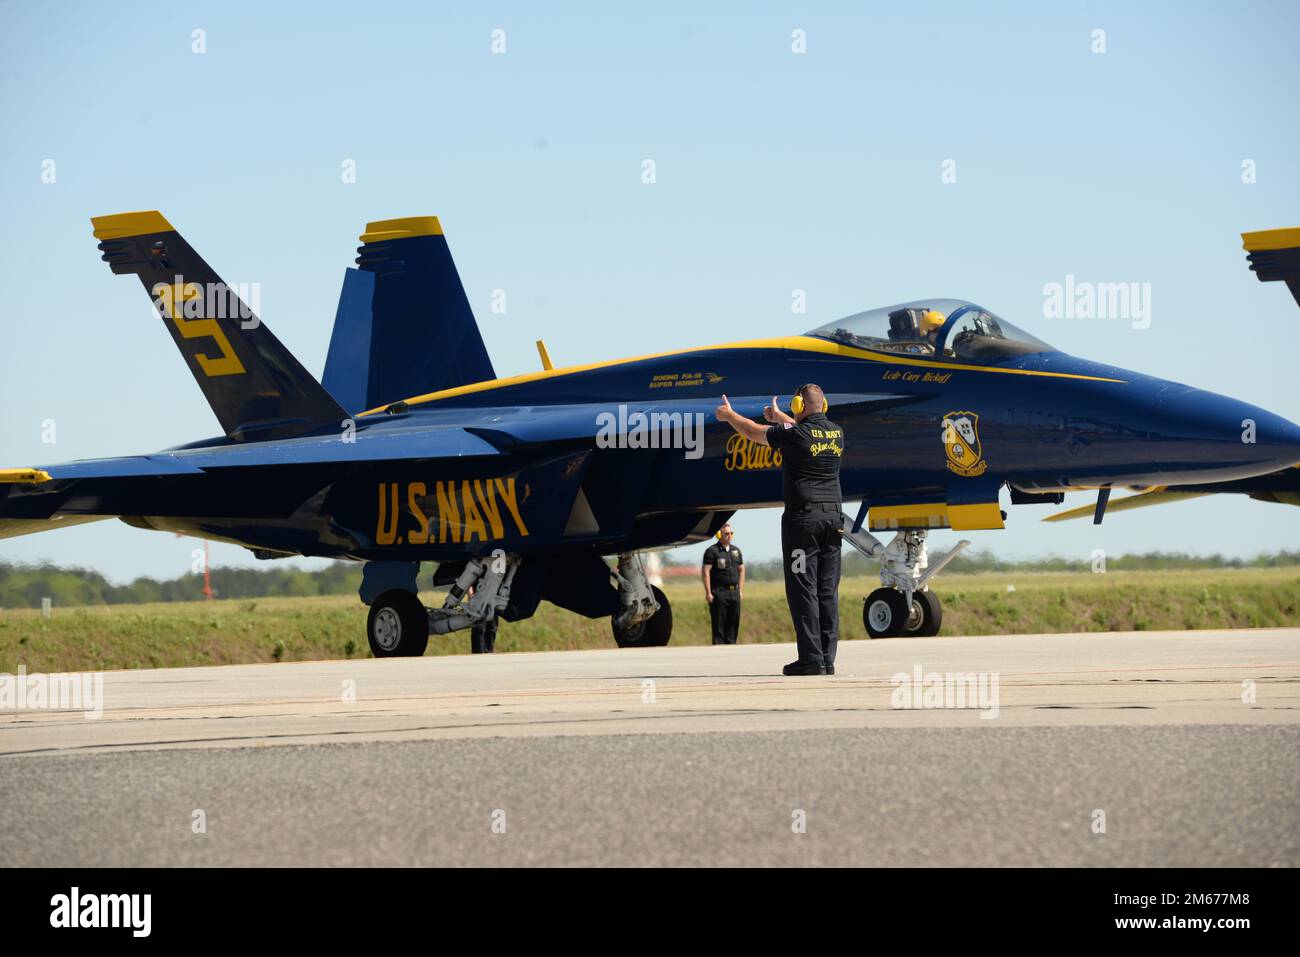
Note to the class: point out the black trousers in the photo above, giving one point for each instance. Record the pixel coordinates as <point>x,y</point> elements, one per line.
<point>483,638</point>
<point>810,545</point>
<point>724,612</point>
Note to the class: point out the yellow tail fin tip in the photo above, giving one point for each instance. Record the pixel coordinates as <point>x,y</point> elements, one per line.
<point>1269,239</point>
<point>401,228</point>
<point>121,225</point>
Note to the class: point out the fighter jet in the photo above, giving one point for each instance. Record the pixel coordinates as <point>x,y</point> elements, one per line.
<point>519,489</point>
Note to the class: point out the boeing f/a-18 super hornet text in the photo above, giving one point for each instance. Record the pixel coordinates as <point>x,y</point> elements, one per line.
<point>411,449</point>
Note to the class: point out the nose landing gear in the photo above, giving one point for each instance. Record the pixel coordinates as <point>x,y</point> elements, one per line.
<point>904,605</point>
<point>885,608</point>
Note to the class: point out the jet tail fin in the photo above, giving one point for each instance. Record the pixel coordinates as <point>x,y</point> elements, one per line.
<point>347,364</point>
<point>253,383</point>
<point>404,325</point>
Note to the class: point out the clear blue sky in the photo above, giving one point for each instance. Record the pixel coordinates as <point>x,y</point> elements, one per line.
<point>775,172</point>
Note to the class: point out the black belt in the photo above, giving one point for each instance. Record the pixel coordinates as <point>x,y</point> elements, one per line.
<point>725,587</point>
<point>815,507</point>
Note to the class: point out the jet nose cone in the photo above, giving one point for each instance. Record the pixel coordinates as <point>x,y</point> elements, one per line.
<point>1276,438</point>
<point>1225,439</point>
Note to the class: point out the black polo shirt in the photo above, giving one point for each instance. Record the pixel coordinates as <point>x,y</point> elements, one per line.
<point>725,562</point>
<point>811,451</point>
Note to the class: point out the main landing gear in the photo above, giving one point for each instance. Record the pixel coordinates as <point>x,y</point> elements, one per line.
<point>399,625</point>
<point>646,618</point>
<point>903,606</point>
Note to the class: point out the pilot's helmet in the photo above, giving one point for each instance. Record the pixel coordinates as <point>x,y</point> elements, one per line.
<point>931,321</point>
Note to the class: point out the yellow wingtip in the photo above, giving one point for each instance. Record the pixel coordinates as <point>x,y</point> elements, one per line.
<point>1069,513</point>
<point>121,225</point>
<point>1155,495</point>
<point>18,476</point>
<point>401,228</point>
<point>1269,239</point>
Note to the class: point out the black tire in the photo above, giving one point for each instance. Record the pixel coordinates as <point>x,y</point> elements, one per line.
<point>398,626</point>
<point>652,633</point>
<point>885,613</point>
<point>926,616</point>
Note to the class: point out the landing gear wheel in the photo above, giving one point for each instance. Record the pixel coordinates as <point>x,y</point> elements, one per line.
<point>651,633</point>
<point>926,616</point>
<point>885,613</point>
<point>398,626</point>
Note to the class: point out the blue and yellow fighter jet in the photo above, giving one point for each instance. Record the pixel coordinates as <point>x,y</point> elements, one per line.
<point>412,450</point>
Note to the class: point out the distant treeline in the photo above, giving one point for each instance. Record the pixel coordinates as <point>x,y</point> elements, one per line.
<point>23,586</point>
<point>970,562</point>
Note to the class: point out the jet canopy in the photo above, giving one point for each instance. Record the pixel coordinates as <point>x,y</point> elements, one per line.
<point>941,328</point>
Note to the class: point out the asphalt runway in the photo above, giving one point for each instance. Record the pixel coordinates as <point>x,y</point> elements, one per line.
<point>1146,749</point>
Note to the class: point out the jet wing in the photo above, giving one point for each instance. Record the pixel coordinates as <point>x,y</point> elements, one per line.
<point>508,426</point>
<point>365,446</point>
<point>13,527</point>
<point>478,432</point>
<point>132,466</point>
<point>1156,496</point>
<point>1281,487</point>
<point>53,496</point>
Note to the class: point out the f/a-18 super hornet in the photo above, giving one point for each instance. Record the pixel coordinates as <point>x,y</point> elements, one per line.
<point>411,449</point>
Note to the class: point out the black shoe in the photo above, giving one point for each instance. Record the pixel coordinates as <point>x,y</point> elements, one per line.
<point>803,668</point>
<point>830,669</point>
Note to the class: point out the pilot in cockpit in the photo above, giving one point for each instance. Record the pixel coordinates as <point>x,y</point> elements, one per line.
<point>929,326</point>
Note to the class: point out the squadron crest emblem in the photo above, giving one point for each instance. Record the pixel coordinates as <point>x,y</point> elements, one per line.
<point>961,441</point>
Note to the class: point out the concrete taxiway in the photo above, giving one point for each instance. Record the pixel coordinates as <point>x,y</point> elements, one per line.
<point>1162,748</point>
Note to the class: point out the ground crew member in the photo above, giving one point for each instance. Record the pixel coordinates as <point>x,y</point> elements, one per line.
<point>723,573</point>
<point>811,448</point>
<point>483,638</point>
